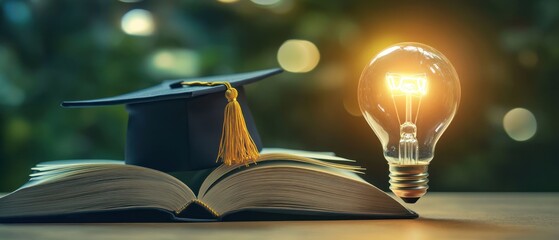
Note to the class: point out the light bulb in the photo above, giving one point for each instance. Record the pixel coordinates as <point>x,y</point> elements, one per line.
<point>409,94</point>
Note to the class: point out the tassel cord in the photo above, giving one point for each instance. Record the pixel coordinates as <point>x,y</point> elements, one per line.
<point>236,145</point>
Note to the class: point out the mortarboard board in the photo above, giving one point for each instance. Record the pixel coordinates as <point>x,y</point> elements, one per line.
<point>178,125</point>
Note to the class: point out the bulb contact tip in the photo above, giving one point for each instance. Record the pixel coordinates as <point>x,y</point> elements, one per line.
<point>410,200</point>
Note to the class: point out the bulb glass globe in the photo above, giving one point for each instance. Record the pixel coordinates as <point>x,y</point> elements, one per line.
<point>409,94</point>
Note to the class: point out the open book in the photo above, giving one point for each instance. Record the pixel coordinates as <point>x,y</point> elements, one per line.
<point>281,185</point>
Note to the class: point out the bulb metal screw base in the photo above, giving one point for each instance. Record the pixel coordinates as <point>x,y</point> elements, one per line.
<point>409,182</point>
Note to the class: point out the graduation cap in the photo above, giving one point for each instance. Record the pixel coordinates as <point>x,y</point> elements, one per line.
<point>181,125</point>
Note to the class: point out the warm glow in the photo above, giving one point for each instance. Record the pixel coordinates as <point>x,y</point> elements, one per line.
<point>227,1</point>
<point>407,84</point>
<point>138,22</point>
<point>520,124</point>
<point>298,56</point>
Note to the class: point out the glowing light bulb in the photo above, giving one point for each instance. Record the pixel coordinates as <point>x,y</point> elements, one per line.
<point>409,94</point>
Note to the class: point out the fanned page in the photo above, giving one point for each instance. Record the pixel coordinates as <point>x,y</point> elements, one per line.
<point>67,187</point>
<point>290,182</point>
<point>327,159</point>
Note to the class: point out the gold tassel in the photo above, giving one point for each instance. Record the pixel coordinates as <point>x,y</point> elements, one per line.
<point>236,145</point>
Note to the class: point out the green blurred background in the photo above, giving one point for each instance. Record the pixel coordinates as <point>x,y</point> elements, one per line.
<point>505,52</point>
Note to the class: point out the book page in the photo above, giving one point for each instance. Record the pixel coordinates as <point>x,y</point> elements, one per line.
<point>300,186</point>
<point>328,156</point>
<point>53,170</point>
<point>58,188</point>
<point>279,155</point>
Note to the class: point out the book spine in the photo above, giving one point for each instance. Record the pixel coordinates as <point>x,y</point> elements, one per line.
<point>206,206</point>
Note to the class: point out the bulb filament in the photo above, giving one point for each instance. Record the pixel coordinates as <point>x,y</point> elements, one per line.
<point>409,86</point>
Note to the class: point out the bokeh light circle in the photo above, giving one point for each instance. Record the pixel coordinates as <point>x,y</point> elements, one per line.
<point>298,56</point>
<point>138,22</point>
<point>520,124</point>
<point>266,2</point>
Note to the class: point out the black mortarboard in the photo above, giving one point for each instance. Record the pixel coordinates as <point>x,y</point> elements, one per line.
<point>177,125</point>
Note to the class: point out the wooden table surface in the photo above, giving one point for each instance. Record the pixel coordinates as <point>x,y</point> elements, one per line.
<point>443,216</point>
